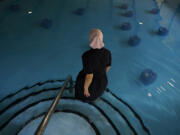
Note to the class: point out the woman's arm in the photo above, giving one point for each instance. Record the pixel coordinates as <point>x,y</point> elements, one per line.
<point>88,80</point>
<point>107,68</point>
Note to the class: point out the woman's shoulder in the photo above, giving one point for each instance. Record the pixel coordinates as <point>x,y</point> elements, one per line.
<point>92,52</point>
<point>107,50</point>
<point>86,53</point>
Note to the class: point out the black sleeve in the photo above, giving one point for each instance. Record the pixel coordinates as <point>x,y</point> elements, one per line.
<point>87,64</point>
<point>109,59</point>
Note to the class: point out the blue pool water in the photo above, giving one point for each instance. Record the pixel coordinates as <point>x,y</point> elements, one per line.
<point>30,53</point>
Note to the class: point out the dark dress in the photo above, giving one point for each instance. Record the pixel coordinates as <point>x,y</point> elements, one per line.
<point>94,61</point>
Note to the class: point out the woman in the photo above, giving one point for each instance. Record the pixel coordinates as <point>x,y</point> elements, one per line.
<point>92,79</point>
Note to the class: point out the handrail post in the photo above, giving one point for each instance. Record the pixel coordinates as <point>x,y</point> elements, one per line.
<point>44,122</point>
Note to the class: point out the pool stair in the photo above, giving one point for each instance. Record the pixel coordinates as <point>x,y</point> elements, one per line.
<point>108,115</point>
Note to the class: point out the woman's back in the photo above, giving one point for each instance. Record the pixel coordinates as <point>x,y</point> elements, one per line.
<point>97,60</point>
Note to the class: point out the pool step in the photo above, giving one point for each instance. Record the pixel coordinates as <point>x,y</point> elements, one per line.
<point>37,88</point>
<point>119,115</point>
<point>126,111</point>
<point>62,122</point>
<point>38,108</point>
<point>9,113</point>
<point>120,124</point>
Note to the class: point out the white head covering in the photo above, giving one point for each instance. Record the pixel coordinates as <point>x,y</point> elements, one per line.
<point>96,39</point>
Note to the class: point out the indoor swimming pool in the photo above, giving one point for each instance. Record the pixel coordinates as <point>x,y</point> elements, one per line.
<point>42,41</point>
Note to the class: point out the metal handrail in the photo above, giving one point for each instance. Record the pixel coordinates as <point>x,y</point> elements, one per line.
<point>44,122</point>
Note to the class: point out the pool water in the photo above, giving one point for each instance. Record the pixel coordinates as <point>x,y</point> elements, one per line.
<point>31,53</point>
